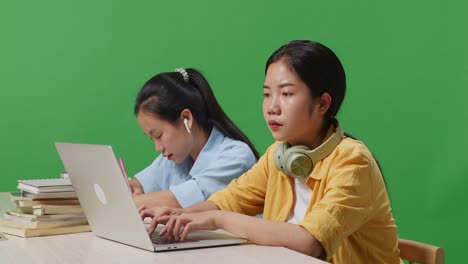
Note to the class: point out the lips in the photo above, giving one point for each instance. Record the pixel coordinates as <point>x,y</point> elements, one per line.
<point>274,125</point>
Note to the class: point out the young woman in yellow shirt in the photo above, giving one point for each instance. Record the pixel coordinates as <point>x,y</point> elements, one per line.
<point>320,191</point>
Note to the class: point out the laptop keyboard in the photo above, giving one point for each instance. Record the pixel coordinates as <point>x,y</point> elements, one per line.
<point>164,240</point>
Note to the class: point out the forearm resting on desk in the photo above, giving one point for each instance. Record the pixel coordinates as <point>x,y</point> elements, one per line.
<point>270,233</point>
<point>162,198</point>
<point>207,216</point>
<point>200,207</point>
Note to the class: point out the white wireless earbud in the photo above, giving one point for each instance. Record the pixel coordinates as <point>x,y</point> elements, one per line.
<point>186,124</point>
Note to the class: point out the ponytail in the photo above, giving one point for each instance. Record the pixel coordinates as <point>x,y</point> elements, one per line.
<point>216,116</point>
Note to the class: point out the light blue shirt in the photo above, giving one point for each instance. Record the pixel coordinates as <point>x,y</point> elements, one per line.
<point>221,160</point>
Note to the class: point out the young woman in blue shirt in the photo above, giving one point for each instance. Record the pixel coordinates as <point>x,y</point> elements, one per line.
<point>202,150</point>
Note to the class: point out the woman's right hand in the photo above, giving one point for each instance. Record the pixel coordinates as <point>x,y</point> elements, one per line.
<point>136,187</point>
<point>156,214</point>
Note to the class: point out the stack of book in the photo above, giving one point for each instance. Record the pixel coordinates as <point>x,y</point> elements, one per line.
<point>44,207</point>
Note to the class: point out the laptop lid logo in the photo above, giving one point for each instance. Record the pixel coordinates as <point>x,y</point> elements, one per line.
<point>100,194</point>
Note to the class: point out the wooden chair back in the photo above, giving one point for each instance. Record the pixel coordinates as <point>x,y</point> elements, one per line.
<point>417,252</point>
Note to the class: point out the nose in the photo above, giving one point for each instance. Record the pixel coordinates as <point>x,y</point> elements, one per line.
<point>272,105</point>
<point>158,147</point>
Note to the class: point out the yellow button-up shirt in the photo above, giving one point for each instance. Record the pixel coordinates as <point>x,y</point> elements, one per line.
<point>349,212</point>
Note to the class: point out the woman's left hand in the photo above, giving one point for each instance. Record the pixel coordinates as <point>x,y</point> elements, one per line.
<point>189,221</point>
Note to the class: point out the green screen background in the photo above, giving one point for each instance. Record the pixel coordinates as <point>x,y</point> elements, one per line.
<point>70,71</point>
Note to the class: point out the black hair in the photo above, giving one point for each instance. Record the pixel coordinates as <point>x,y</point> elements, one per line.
<point>320,69</point>
<point>168,93</point>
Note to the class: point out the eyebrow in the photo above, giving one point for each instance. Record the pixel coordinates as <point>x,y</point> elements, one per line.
<point>283,85</point>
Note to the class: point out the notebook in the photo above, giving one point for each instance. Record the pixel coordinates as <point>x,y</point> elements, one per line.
<point>108,203</point>
<point>37,186</point>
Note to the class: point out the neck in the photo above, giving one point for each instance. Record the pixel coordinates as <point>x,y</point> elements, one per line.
<point>312,142</point>
<point>316,141</point>
<point>200,137</point>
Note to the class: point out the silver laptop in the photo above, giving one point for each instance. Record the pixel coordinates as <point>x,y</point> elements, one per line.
<point>108,204</point>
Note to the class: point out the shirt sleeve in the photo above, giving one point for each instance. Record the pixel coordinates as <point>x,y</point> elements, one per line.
<point>347,202</point>
<point>147,177</point>
<point>221,169</point>
<point>245,195</point>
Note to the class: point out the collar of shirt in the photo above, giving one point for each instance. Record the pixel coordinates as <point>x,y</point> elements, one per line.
<point>206,154</point>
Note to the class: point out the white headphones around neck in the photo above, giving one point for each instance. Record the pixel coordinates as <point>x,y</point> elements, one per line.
<point>299,161</point>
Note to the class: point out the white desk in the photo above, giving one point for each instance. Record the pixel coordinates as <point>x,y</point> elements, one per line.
<point>87,248</point>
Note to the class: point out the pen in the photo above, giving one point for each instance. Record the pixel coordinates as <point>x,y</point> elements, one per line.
<point>122,166</point>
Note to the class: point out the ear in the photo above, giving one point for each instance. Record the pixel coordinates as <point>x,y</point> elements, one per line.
<point>187,114</point>
<point>325,102</point>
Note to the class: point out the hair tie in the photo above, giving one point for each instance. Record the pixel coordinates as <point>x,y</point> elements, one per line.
<point>184,74</point>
